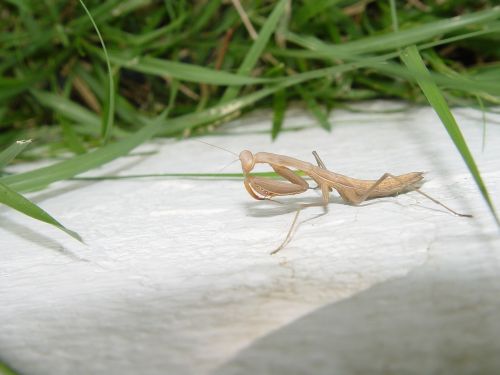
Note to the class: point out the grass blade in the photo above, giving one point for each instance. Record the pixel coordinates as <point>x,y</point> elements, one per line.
<point>41,177</point>
<point>257,48</point>
<point>71,138</point>
<point>382,64</point>
<point>179,70</point>
<point>7,155</point>
<point>16,201</point>
<point>313,9</point>
<point>67,108</point>
<point>279,106</point>
<point>313,106</point>
<point>6,370</point>
<point>185,175</point>
<point>109,107</point>
<point>414,35</point>
<point>414,62</point>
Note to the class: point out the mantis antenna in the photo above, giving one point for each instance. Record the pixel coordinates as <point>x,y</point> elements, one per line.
<point>234,161</point>
<point>220,148</point>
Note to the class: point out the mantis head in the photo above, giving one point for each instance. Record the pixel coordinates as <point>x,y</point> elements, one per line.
<point>247,161</point>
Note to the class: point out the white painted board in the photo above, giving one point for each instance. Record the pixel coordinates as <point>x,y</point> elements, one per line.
<point>176,276</point>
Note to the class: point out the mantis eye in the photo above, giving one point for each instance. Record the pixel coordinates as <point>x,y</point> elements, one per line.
<point>247,161</point>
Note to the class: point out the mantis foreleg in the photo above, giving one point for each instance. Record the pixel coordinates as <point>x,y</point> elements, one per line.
<point>269,188</point>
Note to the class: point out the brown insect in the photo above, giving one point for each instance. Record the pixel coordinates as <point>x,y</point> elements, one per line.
<point>351,190</point>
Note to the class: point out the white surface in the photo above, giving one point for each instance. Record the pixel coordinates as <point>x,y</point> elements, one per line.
<point>176,276</point>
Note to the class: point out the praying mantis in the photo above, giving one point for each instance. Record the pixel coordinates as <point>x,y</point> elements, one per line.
<point>351,190</point>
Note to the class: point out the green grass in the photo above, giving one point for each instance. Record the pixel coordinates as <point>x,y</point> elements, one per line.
<point>414,61</point>
<point>6,370</point>
<point>95,79</point>
<point>109,105</point>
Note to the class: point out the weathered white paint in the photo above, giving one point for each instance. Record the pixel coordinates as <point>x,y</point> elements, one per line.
<point>176,277</point>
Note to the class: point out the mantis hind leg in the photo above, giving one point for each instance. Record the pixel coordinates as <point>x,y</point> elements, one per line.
<point>353,199</point>
<point>318,160</point>
<point>322,166</point>
<point>325,189</point>
<point>404,186</point>
<point>441,204</point>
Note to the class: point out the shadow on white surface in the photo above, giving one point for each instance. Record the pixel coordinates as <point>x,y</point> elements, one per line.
<point>32,236</point>
<point>435,320</point>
